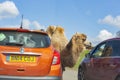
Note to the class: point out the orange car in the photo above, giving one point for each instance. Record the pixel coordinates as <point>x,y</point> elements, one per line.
<point>28,55</point>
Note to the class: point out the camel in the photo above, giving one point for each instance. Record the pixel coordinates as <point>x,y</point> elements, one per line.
<point>71,53</point>
<point>69,50</point>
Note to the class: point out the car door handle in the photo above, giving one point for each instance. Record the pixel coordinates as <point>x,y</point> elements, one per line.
<point>109,66</point>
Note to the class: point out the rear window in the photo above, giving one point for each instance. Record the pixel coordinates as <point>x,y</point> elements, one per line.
<point>25,39</point>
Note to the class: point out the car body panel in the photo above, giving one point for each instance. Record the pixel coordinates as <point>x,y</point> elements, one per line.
<point>39,67</point>
<point>23,61</point>
<point>29,78</point>
<point>101,69</point>
<point>98,67</point>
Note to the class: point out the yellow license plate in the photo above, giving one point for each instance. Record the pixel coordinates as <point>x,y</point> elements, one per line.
<point>22,58</point>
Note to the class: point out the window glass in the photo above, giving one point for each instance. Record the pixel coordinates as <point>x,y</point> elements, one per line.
<point>107,51</point>
<point>112,48</point>
<point>115,47</point>
<point>99,50</point>
<point>29,39</point>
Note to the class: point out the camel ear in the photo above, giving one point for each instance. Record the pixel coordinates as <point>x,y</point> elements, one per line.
<point>73,39</point>
<point>75,35</point>
<point>60,29</point>
<point>50,30</point>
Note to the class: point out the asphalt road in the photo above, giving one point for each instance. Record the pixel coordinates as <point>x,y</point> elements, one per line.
<point>70,74</point>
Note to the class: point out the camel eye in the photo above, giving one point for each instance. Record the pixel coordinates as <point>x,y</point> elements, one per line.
<point>83,39</point>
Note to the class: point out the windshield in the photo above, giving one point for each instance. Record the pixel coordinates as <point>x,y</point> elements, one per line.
<point>25,39</point>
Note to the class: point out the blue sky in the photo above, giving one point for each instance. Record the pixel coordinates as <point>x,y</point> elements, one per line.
<point>98,19</point>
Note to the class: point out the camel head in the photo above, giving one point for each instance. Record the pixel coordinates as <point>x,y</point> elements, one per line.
<point>77,40</point>
<point>58,38</point>
<point>50,30</point>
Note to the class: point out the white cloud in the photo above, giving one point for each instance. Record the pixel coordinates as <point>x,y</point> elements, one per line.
<point>8,9</point>
<point>26,23</point>
<point>31,24</point>
<point>110,20</point>
<point>37,25</point>
<point>104,34</point>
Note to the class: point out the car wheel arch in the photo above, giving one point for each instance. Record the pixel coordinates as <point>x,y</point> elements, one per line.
<point>83,66</point>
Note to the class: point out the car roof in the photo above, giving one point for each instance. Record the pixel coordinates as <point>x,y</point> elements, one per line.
<point>110,39</point>
<point>116,38</point>
<point>24,30</point>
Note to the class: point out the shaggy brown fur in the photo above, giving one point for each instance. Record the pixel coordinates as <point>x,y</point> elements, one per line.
<point>71,52</point>
<point>58,37</point>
